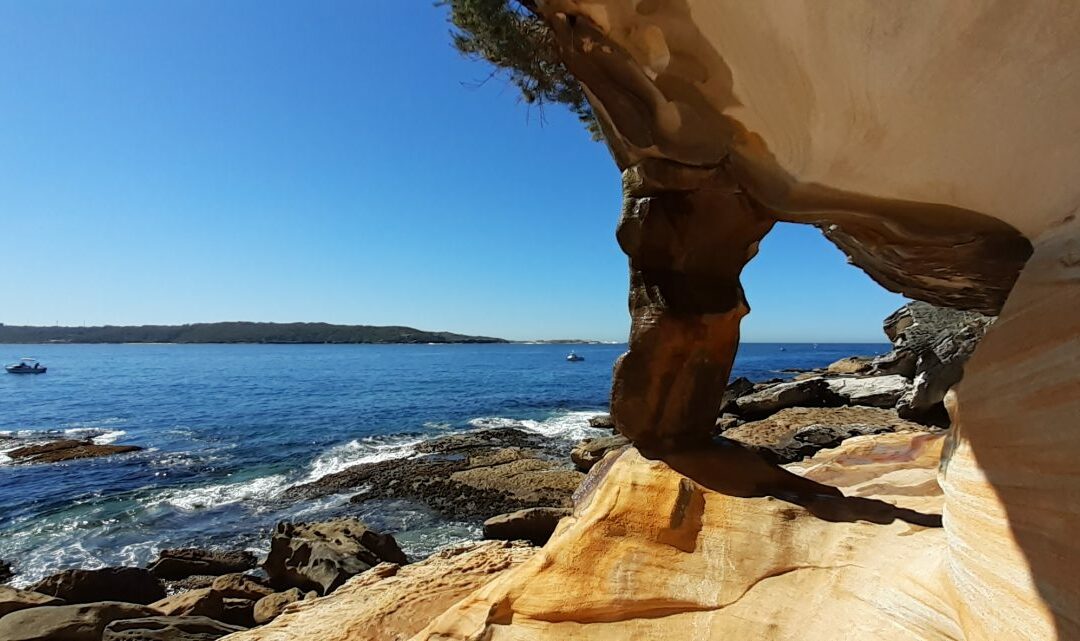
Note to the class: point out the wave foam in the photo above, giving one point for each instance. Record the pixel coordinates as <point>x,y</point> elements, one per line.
<point>357,452</point>
<point>211,496</point>
<point>572,426</point>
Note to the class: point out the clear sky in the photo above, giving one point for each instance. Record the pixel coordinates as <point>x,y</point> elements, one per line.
<point>172,162</point>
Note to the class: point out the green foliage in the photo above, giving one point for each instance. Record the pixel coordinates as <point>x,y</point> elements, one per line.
<point>512,37</point>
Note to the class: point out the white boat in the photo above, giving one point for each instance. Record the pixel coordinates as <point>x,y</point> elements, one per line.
<point>26,366</point>
<point>573,358</point>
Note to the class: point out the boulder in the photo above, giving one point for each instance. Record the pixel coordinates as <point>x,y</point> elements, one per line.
<point>185,562</point>
<point>269,607</point>
<point>81,622</point>
<point>6,573</point>
<point>322,556</point>
<point>602,421</point>
<point>586,453</point>
<point>850,365</point>
<point>205,602</point>
<point>12,599</point>
<point>165,628</point>
<point>534,524</point>
<point>66,450</point>
<point>193,582</point>
<point>815,392</point>
<point>797,432</point>
<point>873,391</point>
<point>737,387</point>
<point>241,586</point>
<point>725,422</point>
<point>131,585</point>
<point>916,328</point>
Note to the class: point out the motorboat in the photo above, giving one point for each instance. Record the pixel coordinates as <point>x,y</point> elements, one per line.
<point>573,358</point>
<point>26,366</point>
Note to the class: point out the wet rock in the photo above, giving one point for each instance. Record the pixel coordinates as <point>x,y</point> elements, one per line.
<point>184,562</point>
<point>82,622</point>
<point>194,582</point>
<point>205,602</point>
<point>12,599</point>
<point>772,398</point>
<point>873,391</point>
<point>850,365</point>
<point>586,453</point>
<point>322,556</point>
<point>269,607</point>
<point>66,450</point>
<point>534,524</point>
<point>795,433</point>
<point>241,586</point>
<point>473,475</point>
<point>131,585</point>
<point>164,628</point>
<point>602,421</point>
<point>6,572</point>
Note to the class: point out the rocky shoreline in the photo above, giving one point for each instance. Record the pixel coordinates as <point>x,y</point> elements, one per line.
<point>519,484</point>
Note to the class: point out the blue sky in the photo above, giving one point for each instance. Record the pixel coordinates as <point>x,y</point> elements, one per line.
<point>171,162</point>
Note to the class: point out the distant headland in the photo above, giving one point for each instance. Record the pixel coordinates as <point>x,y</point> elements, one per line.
<point>234,332</point>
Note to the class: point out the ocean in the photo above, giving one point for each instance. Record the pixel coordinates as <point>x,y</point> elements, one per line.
<point>227,428</point>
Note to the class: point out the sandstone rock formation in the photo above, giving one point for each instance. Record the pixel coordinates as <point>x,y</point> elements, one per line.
<point>322,556</point>
<point>12,599</point>
<point>534,524</point>
<point>391,602</point>
<point>131,585</point>
<point>270,606</point>
<point>167,629</point>
<point>83,622</point>
<point>205,602</point>
<point>588,452</point>
<point>185,562</point>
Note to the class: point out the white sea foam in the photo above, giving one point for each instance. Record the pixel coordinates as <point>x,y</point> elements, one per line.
<point>98,435</point>
<point>357,452</point>
<point>211,496</point>
<point>572,426</point>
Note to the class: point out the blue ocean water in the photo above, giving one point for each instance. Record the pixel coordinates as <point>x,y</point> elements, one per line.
<point>228,427</point>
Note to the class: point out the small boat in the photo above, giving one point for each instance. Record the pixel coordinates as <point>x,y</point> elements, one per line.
<point>26,366</point>
<point>573,358</point>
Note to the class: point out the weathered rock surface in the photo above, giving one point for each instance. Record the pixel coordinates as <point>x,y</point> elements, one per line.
<point>241,586</point>
<point>185,562</point>
<point>850,365</point>
<point>478,474</point>
<point>82,622</point>
<point>322,556</point>
<point>66,450</point>
<point>815,392</point>
<point>163,628</point>
<point>916,329</point>
<point>794,433</point>
<point>6,572</point>
<point>588,452</point>
<point>534,524</point>
<point>390,602</point>
<point>205,602</point>
<point>12,599</point>
<point>602,421</point>
<point>193,582</point>
<point>872,391</point>
<point>239,612</point>
<point>270,606</point>
<point>131,585</point>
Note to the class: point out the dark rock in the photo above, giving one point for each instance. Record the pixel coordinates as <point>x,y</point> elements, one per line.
<point>602,421</point>
<point>586,453</point>
<point>185,562</point>
<point>322,556</point>
<point>737,387</point>
<point>131,585</point>
<point>814,392</point>
<point>239,612</point>
<point>81,622</point>
<point>534,524</point>
<point>270,607</point>
<point>66,450</point>
<point>205,602</point>
<point>164,628</point>
<point>194,582</point>
<point>462,476</point>
<point>12,599</point>
<point>6,573</point>
<point>241,586</point>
